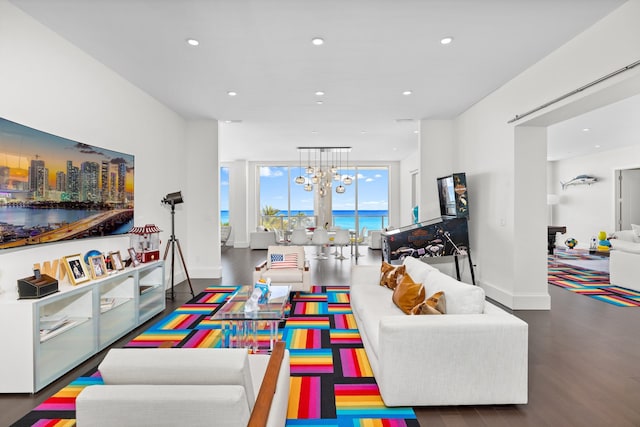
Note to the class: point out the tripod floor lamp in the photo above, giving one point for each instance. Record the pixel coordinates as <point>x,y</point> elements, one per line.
<point>173,199</point>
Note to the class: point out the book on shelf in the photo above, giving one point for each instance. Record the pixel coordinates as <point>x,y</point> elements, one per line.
<point>49,324</point>
<point>145,288</point>
<point>106,303</point>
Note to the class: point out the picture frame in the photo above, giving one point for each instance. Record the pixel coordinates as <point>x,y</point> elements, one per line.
<point>76,269</point>
<point>116,261</point>
<point>97,266</point>
<point>133,257</point>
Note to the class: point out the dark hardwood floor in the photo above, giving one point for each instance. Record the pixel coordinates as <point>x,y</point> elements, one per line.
<point>584,357</point>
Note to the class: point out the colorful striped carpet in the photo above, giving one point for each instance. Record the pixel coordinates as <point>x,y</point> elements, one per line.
<point>331,381</point>
<point>594,284</point>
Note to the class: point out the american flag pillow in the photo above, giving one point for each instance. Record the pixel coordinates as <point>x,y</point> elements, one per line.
<point>284,261</point>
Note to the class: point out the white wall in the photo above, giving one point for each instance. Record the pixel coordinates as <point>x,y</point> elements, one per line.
<point>202,199</point>
<point>50,85</point>
<point>587,209</point>
<point>485,150</point>
<point>408,165</point>
<point>436,157</point>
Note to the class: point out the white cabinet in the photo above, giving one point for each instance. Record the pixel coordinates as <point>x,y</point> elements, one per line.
<point>45,338</point>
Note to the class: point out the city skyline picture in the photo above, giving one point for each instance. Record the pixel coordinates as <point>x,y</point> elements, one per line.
<point>53,188</point>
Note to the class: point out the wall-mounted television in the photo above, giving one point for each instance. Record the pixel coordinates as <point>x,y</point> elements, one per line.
<point>452,194</point>
<point>53,188</point>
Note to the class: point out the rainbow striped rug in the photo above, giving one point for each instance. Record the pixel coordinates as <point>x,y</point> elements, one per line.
<point>331,381</point>
<point>594,284</point>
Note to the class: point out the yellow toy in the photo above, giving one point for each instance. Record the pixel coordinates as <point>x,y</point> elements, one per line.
<point>603,244</point>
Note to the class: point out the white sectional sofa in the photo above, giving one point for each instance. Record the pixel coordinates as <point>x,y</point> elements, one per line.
<point>624,259</point>
<point>475,354</point>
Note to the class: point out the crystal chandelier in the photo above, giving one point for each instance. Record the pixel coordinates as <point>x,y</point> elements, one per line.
<point>326,167</point>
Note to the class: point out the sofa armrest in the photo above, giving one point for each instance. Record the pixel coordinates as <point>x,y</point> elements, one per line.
<point>486,352</point>
<point>265,398</point>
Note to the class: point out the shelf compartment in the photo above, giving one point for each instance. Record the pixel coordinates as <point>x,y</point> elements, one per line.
<point>117,321</point>
<point>63,350</point>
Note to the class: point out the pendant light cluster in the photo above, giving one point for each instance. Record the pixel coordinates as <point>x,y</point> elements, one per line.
<point>322,168</point>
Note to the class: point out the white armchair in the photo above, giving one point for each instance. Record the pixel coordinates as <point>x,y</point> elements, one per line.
<point>298,276</point>
<point>188,386</point>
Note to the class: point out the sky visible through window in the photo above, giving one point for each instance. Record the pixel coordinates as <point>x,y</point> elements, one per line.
<point>373,189</point>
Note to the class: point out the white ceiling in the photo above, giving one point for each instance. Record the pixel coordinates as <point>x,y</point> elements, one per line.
<point>374,50</point>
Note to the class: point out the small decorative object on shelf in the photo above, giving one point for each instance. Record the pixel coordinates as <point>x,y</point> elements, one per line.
<point>571,242</point>
<point>133,258</point>
<point>76,269</point>
<point>97,266</point>
<point>37,287</point>
<point>146,242</point>
<point>116,261</point>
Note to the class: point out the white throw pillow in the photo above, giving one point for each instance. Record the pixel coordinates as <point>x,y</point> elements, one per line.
<point>636,229</point>
<point>462,298</point>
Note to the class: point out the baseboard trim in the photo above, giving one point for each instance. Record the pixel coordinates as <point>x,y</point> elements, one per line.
<point>517,302</point>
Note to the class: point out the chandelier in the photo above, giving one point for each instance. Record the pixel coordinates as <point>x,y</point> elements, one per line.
<point>324,165</point>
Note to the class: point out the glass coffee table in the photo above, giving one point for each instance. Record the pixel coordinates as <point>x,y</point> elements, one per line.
<point>241,329</point>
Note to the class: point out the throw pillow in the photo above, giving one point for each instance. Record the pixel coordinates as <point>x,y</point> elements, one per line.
<point>435,304</point>
<point>391,274</point>
<point>636,229</point>
<point>284,261</point>
<point>408,294</point>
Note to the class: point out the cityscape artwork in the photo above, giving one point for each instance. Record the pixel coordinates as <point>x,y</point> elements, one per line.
<point>54,189</point>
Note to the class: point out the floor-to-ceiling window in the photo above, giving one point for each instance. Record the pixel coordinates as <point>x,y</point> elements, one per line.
<point>224,196</point>
<point>284,204</point>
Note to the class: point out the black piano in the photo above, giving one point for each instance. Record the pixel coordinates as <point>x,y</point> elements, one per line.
<point>551,236</point>
<point>445,236</point>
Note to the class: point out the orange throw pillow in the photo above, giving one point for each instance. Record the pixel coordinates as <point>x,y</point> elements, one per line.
<point>408,294</point>
<point>435,304</point>
<point>391,274</point>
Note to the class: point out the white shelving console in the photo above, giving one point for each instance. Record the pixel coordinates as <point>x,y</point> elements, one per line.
<point>88,318</point>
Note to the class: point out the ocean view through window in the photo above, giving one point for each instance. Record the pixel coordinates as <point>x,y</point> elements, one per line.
<point>283,202</point>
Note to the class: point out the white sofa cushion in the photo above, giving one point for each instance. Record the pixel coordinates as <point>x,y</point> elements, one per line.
<point>462,298</point>
<point>418,270</point>
<point>625,246</point>
<point>171,366</point>
<point>162,405</point>
<point>625,235</point>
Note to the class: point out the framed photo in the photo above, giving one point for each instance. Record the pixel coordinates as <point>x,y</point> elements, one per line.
<point>76,269</point>
<point>134,257</point>
<point>116,260</point>
<point>97,266</point>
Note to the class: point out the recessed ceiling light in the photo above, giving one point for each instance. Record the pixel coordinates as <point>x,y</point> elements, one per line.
<point>232,121</point>
<point>232,93</point>
<point>586,130</point>
<point>446,40</point>
<point>314,132</point>
<point>193,42</point>
<point>407,92</point>
<point>416,131</point>
<point>597,146</point>
<point>319,93</point>
<point>319,102</point>
<point>363,132</point>
<point>317,41</point>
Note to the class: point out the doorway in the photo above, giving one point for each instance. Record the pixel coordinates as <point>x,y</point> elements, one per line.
<point>628,198</point>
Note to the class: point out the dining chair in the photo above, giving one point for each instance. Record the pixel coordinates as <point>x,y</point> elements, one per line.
<point>341,239</point>
<point>320,238</point>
